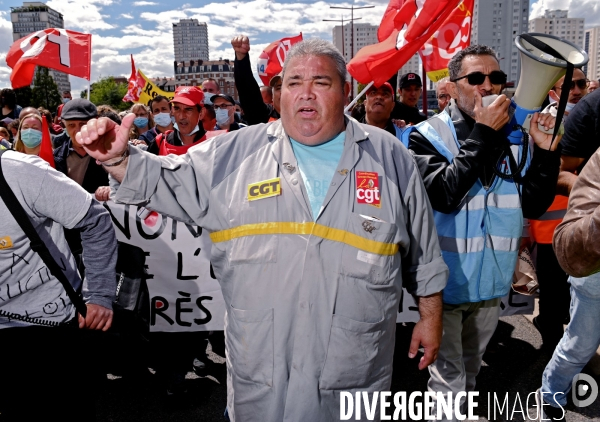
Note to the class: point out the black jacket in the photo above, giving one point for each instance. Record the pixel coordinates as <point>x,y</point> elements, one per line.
<point>255,110</point>
<point>411,115</point>
<point>480,148</point>
<point>95,176</point>
<point>389,127</point>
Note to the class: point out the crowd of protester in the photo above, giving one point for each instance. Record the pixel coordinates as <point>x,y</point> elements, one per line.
<point>449,170</point>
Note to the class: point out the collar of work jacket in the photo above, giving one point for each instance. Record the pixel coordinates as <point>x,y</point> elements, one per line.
<point>284,155</point>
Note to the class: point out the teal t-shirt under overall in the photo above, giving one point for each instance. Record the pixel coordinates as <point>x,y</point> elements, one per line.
<point>317,166</point>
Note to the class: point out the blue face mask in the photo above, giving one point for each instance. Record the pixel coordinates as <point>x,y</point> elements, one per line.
<point>66,100</point>
<point>31,138</point>
<point>162,119</point>
<point>207,97</point>
<point>140,122</point>
<point>222,116</point>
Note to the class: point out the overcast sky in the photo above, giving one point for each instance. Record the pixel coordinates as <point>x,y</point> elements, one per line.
<point>144,28</point>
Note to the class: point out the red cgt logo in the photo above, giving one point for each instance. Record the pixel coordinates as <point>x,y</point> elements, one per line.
<point>367,188</point>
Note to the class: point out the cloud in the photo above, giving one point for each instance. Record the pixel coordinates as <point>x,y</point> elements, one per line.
<point>258,18</point>
<point>83,16</point>
<point>126,16</point>
<point>588,9</point>
<point>144,3</point>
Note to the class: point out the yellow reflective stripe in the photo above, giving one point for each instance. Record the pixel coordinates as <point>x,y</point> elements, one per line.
<point>319,230</point>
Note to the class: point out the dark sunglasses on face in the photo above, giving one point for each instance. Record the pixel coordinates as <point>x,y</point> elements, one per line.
<point>581,84</point>
<point>497,77</point>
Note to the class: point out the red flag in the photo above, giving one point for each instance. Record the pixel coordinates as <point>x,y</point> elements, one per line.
<point>46,145</point>
<point>135,86</point>
<point>415,23</point>
<point>270,61</point>
<point>453,36</point>
<point>60,49</point>
<point>387,24</point>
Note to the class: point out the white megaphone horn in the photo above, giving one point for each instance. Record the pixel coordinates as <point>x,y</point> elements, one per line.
<point>539,72</point>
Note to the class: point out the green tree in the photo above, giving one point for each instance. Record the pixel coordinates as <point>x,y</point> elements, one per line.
<point>24,95</point>
<point>107,91</point>
<point>45,91</point>
<point>360,87</point>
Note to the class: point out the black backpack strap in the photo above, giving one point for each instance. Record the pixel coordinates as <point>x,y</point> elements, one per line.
<point>37,245</point>
<point>564,94</point>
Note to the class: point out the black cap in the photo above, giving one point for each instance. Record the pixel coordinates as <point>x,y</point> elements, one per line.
<point>410,79</point>
<point>79,109</point>
<point>224,96</point>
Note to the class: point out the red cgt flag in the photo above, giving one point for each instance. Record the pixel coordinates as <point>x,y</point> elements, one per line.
<point>387,24</point>
<point>414,23</point>
<point>46,145</point>
<point>270,61</point>
<point>135,86</point>
<point>454,35</point>
<point>60,49</point>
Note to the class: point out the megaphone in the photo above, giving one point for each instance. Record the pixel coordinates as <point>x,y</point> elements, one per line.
<point>539,72</point>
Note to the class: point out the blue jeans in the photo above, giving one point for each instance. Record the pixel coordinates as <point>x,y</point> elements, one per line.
<point>578,344</point>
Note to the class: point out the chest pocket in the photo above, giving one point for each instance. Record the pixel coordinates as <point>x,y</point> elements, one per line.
<point>371,254</point>
<point>255,237</point>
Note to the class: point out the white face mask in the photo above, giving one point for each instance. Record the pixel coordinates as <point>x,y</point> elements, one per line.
<point>196,129</point>
<point>207,97</point>
<point>222,116</point>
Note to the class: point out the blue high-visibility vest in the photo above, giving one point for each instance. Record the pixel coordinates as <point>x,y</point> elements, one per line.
<point>480,239</point>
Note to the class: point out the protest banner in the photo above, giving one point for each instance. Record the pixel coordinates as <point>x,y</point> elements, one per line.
<point>140,89</point>
<point>184,292</point>
<point>151,90</point>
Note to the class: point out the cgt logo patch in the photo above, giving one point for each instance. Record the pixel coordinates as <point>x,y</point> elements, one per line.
<point>367,188</point>
<point>5,242</point>
<point>264,189</point>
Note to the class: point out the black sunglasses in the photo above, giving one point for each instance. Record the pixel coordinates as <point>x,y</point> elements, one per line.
<point>497,77</point>
<point>581,84</point>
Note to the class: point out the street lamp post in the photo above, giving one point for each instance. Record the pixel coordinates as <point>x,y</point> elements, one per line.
<point>351,8</point>
<point>343,34</point>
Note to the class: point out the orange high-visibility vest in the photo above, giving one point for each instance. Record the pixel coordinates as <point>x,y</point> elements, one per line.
<point>541,230</point>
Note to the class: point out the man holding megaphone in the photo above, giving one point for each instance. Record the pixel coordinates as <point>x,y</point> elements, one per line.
<point>479,197</point>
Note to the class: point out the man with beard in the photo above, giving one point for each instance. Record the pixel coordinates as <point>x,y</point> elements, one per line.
<point>479,214</point>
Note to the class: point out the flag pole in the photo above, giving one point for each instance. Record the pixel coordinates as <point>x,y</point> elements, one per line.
<point>424,90</point>
<point>360,94</point>
<point>88,90</point>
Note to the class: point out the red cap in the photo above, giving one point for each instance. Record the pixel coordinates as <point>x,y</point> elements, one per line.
<point>385,84</point>
<point>189,95</point>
